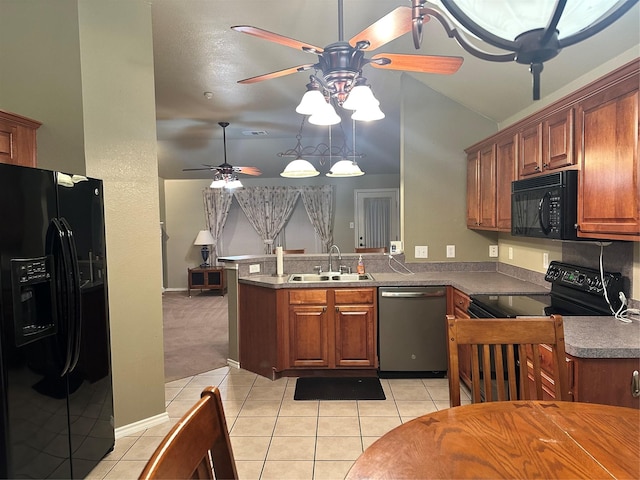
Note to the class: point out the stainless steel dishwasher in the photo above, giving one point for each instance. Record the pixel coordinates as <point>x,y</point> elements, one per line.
<point>412,331</point>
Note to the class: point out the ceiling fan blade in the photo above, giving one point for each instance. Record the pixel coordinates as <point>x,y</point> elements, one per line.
<point>278,73</point>
<point>197,169</point>
<point>417,63</point>
<point>277,38</point>
<point>248,170</point>
<point>393,25</point>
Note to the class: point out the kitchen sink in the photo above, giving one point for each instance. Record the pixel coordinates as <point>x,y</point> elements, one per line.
<point>329,277</point>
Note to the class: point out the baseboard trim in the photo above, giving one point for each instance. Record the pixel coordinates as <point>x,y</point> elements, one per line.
<point>175,289</point>
<point>141,425</point>
<point>233,363</point>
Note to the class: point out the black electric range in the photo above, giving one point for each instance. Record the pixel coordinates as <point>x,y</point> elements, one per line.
<point>575,290</point>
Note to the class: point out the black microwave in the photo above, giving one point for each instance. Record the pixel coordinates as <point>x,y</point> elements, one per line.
<point>546,206</point>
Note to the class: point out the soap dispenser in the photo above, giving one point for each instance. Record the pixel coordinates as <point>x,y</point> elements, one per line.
<point>360,266</point>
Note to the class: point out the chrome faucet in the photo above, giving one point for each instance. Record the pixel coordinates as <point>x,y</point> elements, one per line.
<point>339,255</point>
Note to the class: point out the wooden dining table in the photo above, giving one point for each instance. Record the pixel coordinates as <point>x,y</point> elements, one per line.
<point>521,439</point>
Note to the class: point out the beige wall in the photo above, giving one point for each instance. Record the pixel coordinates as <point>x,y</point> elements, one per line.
<point>184,216</point>
<point>436,130</point>
<point>85,69</point>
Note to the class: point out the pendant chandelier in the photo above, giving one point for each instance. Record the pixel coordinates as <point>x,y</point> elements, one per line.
<point>301,168</point>
<point>532,31</point>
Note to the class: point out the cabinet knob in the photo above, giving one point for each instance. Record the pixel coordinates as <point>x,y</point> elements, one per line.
<point>537,168</point>
<point>635,384</point>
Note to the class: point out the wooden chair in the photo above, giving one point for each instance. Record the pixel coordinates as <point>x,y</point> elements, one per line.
<point>294,250</point>
<point>504,343</point>
<point>199,439</point>
<point>371,250</point>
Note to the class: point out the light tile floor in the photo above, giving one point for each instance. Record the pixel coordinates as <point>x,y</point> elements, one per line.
<point>275,437</point>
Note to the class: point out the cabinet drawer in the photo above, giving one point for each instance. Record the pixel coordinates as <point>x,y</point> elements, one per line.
<point>308,296</point>
<point>354,295</point>
<point>460,300</point>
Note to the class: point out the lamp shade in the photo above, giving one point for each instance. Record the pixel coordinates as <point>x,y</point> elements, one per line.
<point>368,113</point>
<point>345,168</point>
<point>311,101</point>
<point>360,96</point>
<point>204,237</point>
<point>233,183</point>
<point>217,183</point>
<point>326,115</point>
<point>299,168</point>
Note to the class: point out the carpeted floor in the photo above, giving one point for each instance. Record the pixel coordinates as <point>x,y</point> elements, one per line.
<point>196,333</point>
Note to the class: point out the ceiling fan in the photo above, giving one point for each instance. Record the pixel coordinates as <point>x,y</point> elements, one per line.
<point>226,172</point>
<point>341,63</point>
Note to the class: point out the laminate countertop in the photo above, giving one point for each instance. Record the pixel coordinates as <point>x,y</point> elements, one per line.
<point>585,337</point>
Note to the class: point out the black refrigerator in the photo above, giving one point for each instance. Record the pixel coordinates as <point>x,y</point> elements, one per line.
<point>56,397</point>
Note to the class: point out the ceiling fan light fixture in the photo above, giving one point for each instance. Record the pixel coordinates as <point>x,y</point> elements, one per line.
<point>360,96</point>
<point>233,183</point>
<point>218,182</point>
<point>325,115</point>
<point>345,168</point>
<point>299,168</point>
<point>368,114</point>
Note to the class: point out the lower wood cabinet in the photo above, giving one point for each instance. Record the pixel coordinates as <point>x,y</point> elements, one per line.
<point>287,332</point>
<point>331,328</point>
<point>592,380</point>
<point>458,303</point>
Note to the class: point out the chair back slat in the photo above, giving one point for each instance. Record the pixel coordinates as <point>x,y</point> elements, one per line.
<point>197,447</point>
<point>502,374</point>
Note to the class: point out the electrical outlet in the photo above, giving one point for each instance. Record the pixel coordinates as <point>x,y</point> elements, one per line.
<point>352,225</point>
<point>396,247</point>
<point>421,251</point>
<point>254,268</point>
<point>545,260</point>
<point>493,250</point>
<point>510,253</point>
<point>451,251</point>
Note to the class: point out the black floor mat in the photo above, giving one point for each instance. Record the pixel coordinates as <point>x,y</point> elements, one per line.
<point>338,388</point>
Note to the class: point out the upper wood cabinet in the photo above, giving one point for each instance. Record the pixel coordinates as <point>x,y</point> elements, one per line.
<point>593,130</point>
<point>481,188</point>
<point>506,172</point>
<point>548,144</point>
<point>607,136</point>
<point>18,139</point>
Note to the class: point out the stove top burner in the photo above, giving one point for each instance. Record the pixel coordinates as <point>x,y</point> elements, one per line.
<point>574,291</point>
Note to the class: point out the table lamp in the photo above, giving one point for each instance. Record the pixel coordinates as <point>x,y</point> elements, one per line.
<point>205,239</point>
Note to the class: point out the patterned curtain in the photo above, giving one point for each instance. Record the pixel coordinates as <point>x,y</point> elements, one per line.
<point>217,202</point>
<point>268,209</point>
<point>318,202</point>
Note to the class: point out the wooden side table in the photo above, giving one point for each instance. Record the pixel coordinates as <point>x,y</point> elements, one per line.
<point>207,278</point>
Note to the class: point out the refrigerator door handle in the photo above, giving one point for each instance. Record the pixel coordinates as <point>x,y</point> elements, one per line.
<point>58,247</point>
<point>75,294</point>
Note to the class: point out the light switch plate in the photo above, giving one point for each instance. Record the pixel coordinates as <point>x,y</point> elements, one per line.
<point>421,251</point>
<point>451,251</point>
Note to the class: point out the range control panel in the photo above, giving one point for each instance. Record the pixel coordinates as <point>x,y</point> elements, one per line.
<point>583,279</point>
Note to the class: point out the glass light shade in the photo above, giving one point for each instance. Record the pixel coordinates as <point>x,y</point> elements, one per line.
<point>367,114</point>
<point>360,96</point>
<point>299,168</point>
<point>233,183</point>
<point>508,19</point>
<point>326,115</point>
<point>204,238</point>
<point>345,168</point>
<point>218,183</point>
<point>312,101</point>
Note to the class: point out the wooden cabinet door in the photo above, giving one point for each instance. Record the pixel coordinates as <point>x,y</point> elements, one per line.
<point>355,337</point>
<point>308,336</point>
<point>473,190</point>
<point>17,139</point>
<point>481,188</point>
<point>557,140</point>
<point>609,190</point>
<point>506,151</point>
<point>530,150</point>
<point>487,185</point>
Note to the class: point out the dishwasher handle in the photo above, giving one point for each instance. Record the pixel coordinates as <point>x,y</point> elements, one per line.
<point>413,294</point>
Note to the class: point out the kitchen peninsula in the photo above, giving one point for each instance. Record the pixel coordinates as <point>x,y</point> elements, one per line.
<point>267,303</point>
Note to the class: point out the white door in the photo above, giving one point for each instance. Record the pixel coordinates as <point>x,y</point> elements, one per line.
<point>377,215</point>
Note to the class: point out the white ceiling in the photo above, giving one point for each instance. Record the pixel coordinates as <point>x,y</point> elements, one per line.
<point>196,51</point>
